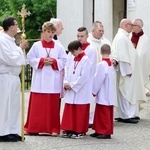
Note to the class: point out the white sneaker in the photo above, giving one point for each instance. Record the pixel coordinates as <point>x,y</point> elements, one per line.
<point>77,136</point>
<point>66,135</point>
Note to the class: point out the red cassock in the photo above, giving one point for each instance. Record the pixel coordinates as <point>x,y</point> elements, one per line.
<point>43,113</point>
<point>103,119</point>
<point>75,118</point>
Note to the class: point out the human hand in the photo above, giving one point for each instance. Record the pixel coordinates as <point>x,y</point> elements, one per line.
<point>67,86</point>
<point>129,75</point>
<point>48,61</point>
<point>114,62</point>
<point>24,44</point>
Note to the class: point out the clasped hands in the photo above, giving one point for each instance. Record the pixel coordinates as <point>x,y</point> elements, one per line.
<point>48,61</point>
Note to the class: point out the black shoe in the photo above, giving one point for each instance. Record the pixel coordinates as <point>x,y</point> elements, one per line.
<point>94,134</point>
<point>119,119</point>
<point>90,125</point>
<point>8,138</point>
<point>104,136</point>
<point>136,118</point>
<point>130,120</point>
<point>17,136</point>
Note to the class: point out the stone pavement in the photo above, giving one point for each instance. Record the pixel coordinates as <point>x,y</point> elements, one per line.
<point>125,137</point>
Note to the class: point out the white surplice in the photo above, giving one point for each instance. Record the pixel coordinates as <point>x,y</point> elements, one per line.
<point>79,81</point>
<point>90,51</point>
<point>103,84</point>
<point>46,74</point>
<point>11,60</point>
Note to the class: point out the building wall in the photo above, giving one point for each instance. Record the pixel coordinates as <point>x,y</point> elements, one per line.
<point>77,13</point>
<point>103,12</point>
<point>141,10</point>
<point>118,13</point>
<point>74,14</point>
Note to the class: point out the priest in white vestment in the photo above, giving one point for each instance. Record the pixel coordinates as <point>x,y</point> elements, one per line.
<point>11,60</point>
<point>129,84</point>
<point>142,45</point>
<point>96,39</point>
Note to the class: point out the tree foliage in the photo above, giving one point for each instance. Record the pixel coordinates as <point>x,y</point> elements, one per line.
<point>41,11</point>
<point>4,10</point>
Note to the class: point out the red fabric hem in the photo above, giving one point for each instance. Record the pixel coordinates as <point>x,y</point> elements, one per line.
<point>43,113</point>
<point>103,119</point>
<point>76,118</point>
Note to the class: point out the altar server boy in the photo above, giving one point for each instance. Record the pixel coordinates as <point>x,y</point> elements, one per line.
<point>47,59</point>
<point>103,90</point>
<point>78,92</point>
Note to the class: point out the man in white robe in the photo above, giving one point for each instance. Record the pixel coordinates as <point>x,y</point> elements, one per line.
<point>96,38</point>
<point>128,76</point>
<point>142,44</point>
<point>11,60</point>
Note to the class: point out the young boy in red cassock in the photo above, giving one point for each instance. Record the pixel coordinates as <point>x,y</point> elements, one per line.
<point>103,90</point>
<point>78,91</point>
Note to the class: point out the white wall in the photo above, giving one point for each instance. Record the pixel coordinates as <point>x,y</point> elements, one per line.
<point>118,14</point>
<point>77,13</point>
<point>74,14</point>
<point>71,14</point>
<point>142,11</point>
<point>103,13</point>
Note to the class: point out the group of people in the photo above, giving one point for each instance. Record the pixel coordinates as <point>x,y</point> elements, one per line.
<point>111,74</point>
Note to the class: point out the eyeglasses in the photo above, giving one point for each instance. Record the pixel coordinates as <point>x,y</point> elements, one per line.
<point>135,25</point>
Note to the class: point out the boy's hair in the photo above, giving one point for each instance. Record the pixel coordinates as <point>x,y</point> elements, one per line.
<point>81,29</point>
<point>48,26</point>
<point>105,49</point>
<point>74,45</point>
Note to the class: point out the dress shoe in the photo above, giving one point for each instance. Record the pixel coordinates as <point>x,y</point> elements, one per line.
<point>94,134</point>
<point>8,138</point>
<point>130,120</point>
<point>104,136</point>
<point>90,125</point>
<point>136,118</point>
<point>17,136</point>
<point>119,119</point>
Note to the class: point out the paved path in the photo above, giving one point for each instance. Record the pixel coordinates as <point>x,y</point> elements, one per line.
<point>126,137</point>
